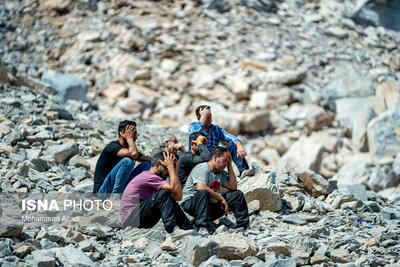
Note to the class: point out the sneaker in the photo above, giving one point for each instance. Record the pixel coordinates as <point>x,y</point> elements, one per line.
<point>178,233</point>
<point>249,172</point>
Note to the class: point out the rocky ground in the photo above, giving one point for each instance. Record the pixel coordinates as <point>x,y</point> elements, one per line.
<point>311,87</point>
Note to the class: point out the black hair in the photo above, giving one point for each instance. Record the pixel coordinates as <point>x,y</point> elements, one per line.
<point>122,125</point>
<point>156,158</point>
<point>219,151</point>
<point>193,136</point>
<point>201,107</point>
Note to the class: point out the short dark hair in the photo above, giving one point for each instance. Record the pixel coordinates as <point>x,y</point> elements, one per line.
<point>156,158</point>
<point>122,125</point>
<point>193,136</point>
<point>219,151</point>
<point>201,107</point>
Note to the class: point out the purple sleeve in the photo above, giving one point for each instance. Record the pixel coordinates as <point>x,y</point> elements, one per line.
<point>155,182</point>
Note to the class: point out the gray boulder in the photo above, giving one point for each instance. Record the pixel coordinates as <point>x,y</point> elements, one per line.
<point>377,13</point>
<point>347,82</point>
<point>70,256</point>
<point>383,137</point>
<point>234,246</point>
<point>262,187</point>
<point>68,86</point>
<point>383,177</point>
<point>61,153</point>
<point>198,249</point>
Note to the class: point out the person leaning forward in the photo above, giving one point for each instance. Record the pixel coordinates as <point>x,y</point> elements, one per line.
<point>115,166</point>
<point>198,153</point>
<point>204,197</point>
<point>149,197</point>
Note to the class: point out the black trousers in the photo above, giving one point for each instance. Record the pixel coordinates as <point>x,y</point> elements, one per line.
<point>200,207</point>
<point>159,205</point>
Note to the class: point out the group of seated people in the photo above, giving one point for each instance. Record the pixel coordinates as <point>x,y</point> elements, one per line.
<point>173,180</point>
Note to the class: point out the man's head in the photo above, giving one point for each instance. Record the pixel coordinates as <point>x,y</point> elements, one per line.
<point>157,163</point>
<point>169,142</point>
<point>219,158</point>
<point>194,147</point>
<point>122,126</point>
<point>200,109</point>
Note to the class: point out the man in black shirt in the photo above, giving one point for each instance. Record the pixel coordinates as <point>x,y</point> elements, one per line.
<point>115,166</point>
<point>198,153</point>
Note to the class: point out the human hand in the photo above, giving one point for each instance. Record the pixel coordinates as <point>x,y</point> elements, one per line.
<point>241,152</point>
<point>205,113</point>
<point>170,161</point>
<point>224,206</point>
<point>130,132</point>
<point>201,139</point>
<point>178,147</point>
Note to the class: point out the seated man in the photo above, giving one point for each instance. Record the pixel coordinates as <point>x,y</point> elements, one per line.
<point>203,197</point>
<point>215,134</point>
<point>148,197</point>
<point>198,153</point>
<point>170,143</point>
<point>115,166</point>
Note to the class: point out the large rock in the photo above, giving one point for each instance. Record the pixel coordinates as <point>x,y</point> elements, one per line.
<point>254,121</point>
<point>10,230</point>
<point>350,109</point>
<point>61,153</point>
<point>313,184</point>
<point>262,187</point>
<point>346,82</point>
<point>283,77</point>
<point>58,5</point>
<point>355,171</point>
<point>234,246</point>
<point>239,86</point>
<point>198,249</point>
<point>377,13</point>
<point>383,177</point>
<point>68,86</point>
<point>390,91</point>
<point>70,256</point>
<point>314,117</point>
<point>383,132</point>
<point>305,153</point>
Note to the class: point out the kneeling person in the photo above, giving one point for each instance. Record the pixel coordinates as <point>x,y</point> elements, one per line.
<point>204,197</point>
<point>149,197</point>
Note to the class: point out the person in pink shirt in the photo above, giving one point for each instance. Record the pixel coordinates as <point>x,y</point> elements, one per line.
<point>149,197</point>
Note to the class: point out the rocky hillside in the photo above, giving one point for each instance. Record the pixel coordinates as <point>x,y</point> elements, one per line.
<point>311,87</point>
<point>297,217</point>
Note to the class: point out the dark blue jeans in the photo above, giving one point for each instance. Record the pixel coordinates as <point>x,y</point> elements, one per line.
<point>122,173</point>
<point>239,162</point>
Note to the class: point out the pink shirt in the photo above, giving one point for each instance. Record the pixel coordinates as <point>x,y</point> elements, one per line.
<point>139,188</point>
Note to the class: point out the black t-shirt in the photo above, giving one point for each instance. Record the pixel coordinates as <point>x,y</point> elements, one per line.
<point>107,161</point>
<point>188,161</point>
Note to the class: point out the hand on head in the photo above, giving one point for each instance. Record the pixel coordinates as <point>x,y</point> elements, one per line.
<point>130,132</point>
<point>169,160</point>
<point>201,139</point>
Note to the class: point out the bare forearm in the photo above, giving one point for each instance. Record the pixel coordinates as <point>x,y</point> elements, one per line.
<point>145,158</point>
<point>232,183</point>
<point>213,194</point>
<point>175,184</point>
<point>132,148</point>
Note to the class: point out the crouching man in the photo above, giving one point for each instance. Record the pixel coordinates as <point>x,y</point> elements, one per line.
<point>204,197</point>
<point>149,197</point>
